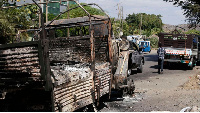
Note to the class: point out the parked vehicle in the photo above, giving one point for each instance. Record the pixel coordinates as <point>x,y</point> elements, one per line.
<point>136,58</point>
<point>129,57</point>
<point>136,38</point>
<point>145,45</point>
<point>180,48</point>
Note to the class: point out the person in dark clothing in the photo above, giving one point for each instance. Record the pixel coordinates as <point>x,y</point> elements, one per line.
<point>161,54</point>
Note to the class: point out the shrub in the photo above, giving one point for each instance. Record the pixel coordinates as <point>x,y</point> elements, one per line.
<point>154,42</point>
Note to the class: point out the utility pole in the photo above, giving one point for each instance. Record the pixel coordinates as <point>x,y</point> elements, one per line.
<point>40,18</point>
<point>120,17</point>
<point>46,11</point>
<point>141,24</point>
<point>119,13</point>
<point>68,18</point>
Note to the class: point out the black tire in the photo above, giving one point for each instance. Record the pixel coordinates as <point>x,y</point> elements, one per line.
<point>192,65</point>
<point>140,68</point>
<point>150,51</point>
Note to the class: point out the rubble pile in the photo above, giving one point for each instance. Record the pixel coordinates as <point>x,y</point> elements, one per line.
<point>70,73</point>
<point>192,83</point>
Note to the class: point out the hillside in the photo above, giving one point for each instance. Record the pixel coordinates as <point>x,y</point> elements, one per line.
<point>168,28</point>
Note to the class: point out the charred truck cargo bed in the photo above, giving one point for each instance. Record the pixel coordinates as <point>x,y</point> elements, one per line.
<point>73,71</point>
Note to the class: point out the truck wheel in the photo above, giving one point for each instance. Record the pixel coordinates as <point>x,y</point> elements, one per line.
<point>192,65</point>
<point>150,51</point>
<point>140,68</point>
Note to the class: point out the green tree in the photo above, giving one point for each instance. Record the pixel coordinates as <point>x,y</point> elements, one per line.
<point>191,10</point>
<point>78,12</point>
<point>149,22</point>
<point>193,31</point>
<point>116,25</point>
<point>6,28</point>
<point>12,20</point>
<point>154,42</point>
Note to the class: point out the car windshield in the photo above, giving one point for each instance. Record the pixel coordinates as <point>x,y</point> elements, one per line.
<point>142,43</point>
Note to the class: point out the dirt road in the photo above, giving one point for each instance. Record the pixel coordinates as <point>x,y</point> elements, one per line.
<point>172,91</point>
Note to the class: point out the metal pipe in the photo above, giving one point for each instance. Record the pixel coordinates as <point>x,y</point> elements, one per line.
<point>42,20</point>
<point>82,8</point>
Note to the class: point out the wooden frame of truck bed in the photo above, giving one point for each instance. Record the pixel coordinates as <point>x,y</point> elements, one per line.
<point>37,64</point>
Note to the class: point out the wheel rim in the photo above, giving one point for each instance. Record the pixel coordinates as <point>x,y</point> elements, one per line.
<point>129,72</point>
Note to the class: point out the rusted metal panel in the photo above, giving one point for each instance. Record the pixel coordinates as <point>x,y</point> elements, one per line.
<point>70,100</point>
<point>19,66</point>
<point>77,20</point>
<point>92,53</point>
<point>121,72</point>
<point>62,50</point>
<point>18,45</point>
<point>20,60</point>
<point>73,85</point>
<point>102,79</point>
<point>101,30</point>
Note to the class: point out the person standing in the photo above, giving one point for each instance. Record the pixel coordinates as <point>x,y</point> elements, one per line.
<point>161,54</point>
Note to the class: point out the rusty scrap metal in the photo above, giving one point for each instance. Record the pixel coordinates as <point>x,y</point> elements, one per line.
<point>76,69</point>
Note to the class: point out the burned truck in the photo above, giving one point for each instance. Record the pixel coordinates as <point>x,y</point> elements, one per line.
<point>126,57</point>
<point>180,48</point>
<point>52,73</point>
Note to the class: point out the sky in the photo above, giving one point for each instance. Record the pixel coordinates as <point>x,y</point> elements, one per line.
<point>170,14</point>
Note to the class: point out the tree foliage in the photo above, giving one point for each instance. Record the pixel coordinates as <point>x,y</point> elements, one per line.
<point>154,42</point>
<point>151,24</point>
<point>191,10</point>
<point>78,12</point>
<point>13,19</point>
<point>193,31</point>
<point>117,27</point>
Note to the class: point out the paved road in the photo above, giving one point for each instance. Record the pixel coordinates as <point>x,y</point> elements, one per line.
<point>170,91</point>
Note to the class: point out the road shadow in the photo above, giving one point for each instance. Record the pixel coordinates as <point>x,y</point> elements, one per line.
<point>153,58</point>
<point>173,66</point>
<point>198,63</point>
<point>146,53</point>
<point>133,72</point>
<point>177,66</point>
